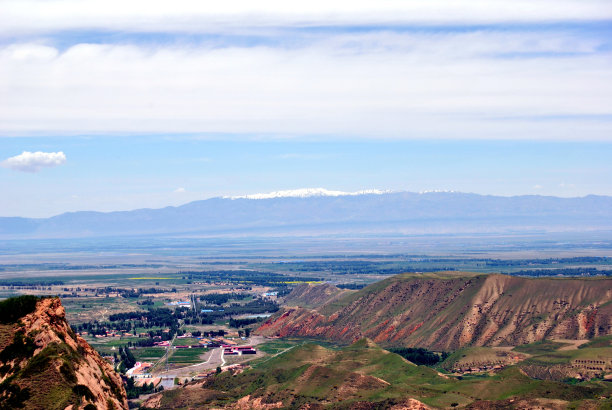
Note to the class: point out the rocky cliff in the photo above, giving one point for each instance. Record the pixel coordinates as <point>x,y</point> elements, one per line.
<point>44,365</point>
<point>446,311</point>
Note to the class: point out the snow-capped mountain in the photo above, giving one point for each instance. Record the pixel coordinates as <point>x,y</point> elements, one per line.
<point>307,192</point>
<point>319,211</point>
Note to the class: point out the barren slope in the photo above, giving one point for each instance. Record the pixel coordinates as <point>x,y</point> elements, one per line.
<point>447,311</point>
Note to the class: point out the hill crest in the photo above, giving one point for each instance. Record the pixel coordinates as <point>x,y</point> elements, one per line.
<point>447,311</point>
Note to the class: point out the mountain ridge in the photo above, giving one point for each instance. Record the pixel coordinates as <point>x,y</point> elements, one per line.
<point>397,212</point>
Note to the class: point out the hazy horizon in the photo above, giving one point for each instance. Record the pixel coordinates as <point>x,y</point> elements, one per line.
<point>299,193</point>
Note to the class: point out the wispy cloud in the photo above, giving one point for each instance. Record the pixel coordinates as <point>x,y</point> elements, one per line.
<point>36,16</point>
<point>34,161</point>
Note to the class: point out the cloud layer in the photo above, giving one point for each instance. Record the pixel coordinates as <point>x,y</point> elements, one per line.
<point>381,85</point>
<point>396,69</point>
<point>34,161</point>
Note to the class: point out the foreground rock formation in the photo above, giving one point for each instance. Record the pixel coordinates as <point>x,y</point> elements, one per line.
<point>44,365</point>
<point>447,311</point>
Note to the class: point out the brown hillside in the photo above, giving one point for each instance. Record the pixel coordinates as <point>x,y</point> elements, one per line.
<point>447,311</point>
<point>44,365</point>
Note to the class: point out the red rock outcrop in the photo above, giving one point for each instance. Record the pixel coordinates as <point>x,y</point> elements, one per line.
<point>58,360</point>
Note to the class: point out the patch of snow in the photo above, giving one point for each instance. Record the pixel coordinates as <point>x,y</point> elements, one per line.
<point>307,192</point>
<point>437,191</point>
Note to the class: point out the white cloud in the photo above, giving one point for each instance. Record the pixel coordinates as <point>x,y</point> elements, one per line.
<point>180,190</point>
<point>39,16</point>
<point>371,85</point>
<point>34,161</point>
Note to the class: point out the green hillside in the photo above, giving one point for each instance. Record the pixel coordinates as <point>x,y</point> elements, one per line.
<point>365,373</point>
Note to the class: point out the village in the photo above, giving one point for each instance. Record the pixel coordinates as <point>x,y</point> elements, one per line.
<point>150,373</point>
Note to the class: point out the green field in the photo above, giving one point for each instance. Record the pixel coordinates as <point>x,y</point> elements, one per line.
<point>148,354</point>
<point>186,356</point>
<point>188,341</point>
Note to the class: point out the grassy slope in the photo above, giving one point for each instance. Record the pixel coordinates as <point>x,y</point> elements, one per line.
<point>311,297</point>
<point>365,372</point>
<point>602,341</point>
<point>564,357</point>
<point>542,347</point>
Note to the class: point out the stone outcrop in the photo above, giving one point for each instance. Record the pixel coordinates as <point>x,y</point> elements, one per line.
<point>44,364</point>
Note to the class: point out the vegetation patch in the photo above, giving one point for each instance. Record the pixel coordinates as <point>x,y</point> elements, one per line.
<point>12,396</point>
<point>420,356</point>
<point>602,341</point>
<point>12,309</point>
<point>537,348</point>
<point>83,391</point>
<point>21,348</point>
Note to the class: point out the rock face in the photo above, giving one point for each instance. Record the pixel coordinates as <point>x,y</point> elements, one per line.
<point>446,311</point>
<point>44,365</point>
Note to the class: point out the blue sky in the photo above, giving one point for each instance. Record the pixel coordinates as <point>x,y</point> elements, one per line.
<point>160,103</point>
<point>124,173</point>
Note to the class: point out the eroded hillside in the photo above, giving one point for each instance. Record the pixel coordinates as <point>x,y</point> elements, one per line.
<point>44,365</point>
<point>446,311</point>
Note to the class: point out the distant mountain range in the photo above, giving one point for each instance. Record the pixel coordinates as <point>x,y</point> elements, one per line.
<point>322,212</point>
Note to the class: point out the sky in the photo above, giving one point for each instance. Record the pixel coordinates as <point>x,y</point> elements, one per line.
<point>108,105</point>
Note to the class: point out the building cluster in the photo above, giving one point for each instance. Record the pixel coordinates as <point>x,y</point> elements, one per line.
<point>202,342</point>
<point>140,370</point>
<point>229,350</point>
<point>489,366</point>
<point>179,303</point>
<point>141,375</point>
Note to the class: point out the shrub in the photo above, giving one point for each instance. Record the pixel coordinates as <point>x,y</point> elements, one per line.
<point>83,391</point>
<point>14,308</point>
